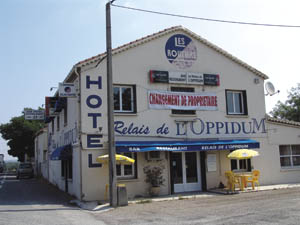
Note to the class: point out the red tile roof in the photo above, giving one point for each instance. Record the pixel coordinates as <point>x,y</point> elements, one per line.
<point>282,121</point>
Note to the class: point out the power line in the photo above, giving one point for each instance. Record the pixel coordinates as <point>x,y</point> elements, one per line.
<point>207,19</point>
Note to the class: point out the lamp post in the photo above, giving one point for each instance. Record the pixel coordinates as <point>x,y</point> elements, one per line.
<point>110,113</point>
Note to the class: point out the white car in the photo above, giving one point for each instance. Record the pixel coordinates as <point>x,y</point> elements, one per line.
<point>25,170</point>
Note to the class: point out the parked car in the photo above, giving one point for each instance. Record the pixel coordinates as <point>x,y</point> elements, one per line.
<point>25,170</point>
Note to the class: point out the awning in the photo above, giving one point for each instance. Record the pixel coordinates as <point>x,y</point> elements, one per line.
<point>62,153</point>
<point>145,146</point>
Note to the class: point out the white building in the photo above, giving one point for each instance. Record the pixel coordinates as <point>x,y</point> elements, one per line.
<point>180,102</point>
<point>41,153</point>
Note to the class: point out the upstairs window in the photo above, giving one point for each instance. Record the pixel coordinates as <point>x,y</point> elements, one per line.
<point>52,126</point>
<point>236,102</point>
<point>289,156</point>
<point>66,113</point>
<point>57,123</point>
<point>183,112</point>
<point>124,99</point>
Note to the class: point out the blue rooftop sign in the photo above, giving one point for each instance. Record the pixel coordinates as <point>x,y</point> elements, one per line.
<point>181,51</point>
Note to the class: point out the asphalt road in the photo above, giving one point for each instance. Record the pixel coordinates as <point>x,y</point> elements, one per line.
<point>31,201</point>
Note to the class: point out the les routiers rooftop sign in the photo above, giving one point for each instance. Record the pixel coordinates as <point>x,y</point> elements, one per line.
<point>192,78</point>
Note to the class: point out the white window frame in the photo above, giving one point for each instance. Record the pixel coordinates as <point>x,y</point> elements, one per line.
<point>238,165</point>
<point>131,176</point>
<point>242,106</point>
<point>120,98</point>
<point>290,156</point>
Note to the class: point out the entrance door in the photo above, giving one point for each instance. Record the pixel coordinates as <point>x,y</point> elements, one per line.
<point>186,171</point>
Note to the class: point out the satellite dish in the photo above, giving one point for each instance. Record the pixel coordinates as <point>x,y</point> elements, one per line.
<point>270,89</point>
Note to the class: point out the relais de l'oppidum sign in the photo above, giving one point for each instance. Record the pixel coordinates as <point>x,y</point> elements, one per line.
<point>181,51</point>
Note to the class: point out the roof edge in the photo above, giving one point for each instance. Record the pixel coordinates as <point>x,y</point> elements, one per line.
<point>282,121</point>
<point>161,33</point>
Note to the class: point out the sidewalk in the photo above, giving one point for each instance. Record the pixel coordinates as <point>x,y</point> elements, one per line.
<point>260,188</point>
<point>94,206</point>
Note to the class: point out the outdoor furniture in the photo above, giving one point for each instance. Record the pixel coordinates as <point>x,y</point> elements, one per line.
<point>254,178</point>
<point>243,177</point>
<point>232,180</point>
<point>242,154</point>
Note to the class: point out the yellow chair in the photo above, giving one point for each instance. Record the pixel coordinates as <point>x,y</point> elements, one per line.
<point>232,180</point>
<point>254,178</point>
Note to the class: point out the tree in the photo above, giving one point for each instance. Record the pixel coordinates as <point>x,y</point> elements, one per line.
<point>289,110</point>
<point>20,135</point>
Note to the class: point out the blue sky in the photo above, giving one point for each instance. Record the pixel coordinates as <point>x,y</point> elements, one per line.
<point>40,41</point>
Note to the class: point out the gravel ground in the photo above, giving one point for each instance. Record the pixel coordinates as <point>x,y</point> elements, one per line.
<point>264,207</point>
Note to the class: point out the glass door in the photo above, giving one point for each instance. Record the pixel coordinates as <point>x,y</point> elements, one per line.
<point>186,171</point>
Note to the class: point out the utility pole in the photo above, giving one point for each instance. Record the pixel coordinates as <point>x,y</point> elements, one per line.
<point>110,112</point>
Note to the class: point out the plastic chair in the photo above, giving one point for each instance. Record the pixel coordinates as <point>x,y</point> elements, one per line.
<point>232,180</point>
<point>254,178</point>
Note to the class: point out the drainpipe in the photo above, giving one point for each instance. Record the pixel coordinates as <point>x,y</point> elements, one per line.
<point>77,72</point>
<point>47,136</point>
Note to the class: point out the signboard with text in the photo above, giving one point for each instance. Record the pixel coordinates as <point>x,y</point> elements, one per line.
<point>34,114</point>
<point>190,78</point>
<point>67,90</point>
<point>181,51</point>
<point>182,100</point>
<point>211,79</point>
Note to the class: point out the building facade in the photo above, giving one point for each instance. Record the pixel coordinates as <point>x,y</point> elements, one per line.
<point>181,103</point>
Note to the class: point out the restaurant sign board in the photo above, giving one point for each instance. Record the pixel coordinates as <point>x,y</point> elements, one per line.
<point>191,78</point>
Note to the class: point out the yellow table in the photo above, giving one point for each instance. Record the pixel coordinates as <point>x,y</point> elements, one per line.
<point>243,177</point>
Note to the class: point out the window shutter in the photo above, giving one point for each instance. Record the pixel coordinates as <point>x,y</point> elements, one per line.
<point>245,103</point>
<point>134,99</point>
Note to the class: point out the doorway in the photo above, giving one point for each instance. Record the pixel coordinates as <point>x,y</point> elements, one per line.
<point>185,170</point>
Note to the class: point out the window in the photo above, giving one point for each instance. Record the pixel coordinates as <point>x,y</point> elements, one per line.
<point>124,99</point>
<point>66,113</point>
<point>240,164</point>
<point>44,155</point>
<point>67,167</point>
<point>57,123</point>
<point>236,102</point>
<point>52,126</point>
<point>128,171</point>
<point>289,156</point>
<point>183,112</point>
